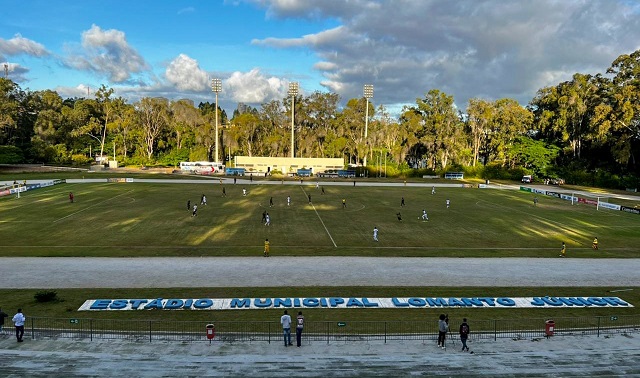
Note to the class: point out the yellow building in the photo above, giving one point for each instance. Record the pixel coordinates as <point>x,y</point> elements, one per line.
<point>287,165</point>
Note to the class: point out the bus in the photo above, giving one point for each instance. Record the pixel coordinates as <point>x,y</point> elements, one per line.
<point>202,167</point>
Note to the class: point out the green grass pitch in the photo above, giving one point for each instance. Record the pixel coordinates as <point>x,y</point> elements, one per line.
<point>144,219</point>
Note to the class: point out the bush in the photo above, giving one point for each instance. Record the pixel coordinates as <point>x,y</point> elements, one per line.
<point>11,155</point>
<point>80,160</point>
<point>46,296</point>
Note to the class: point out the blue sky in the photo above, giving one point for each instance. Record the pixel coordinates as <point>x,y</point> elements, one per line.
<point>467,48</point>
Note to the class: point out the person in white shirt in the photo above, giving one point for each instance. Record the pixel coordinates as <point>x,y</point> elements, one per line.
<point>18,321</point>
<point>375,233</point>
<point>424,215</point>
<point>288,200</point>
<point>285,320</point>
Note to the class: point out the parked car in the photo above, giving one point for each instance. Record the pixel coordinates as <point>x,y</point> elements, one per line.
<point>527,179</point>
<point>555,181</point>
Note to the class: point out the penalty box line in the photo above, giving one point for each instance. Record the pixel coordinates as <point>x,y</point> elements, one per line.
<point>323,225</point>
<point>87,208</point>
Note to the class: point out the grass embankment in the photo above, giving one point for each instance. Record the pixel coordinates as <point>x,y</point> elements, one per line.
<point>71,299</point>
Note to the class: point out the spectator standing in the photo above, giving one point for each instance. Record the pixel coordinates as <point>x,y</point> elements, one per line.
<point>464,334</point>
<point>285,320</point>
<point>443,328</point>
<point>18,321</point>
<point>299,327</point>
<point>2,316</point>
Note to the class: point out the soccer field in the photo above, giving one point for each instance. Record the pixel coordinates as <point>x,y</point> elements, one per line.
<point>151,219</point>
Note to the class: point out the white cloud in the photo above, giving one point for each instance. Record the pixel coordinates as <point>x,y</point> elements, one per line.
<point>185,73</point>
<point>187,10</point>
<point>79,91</point>
<point>467,48</point>
<point>107,52</point>
<point>253,87</point>
<point>18,45</point>
<point>14,71</point>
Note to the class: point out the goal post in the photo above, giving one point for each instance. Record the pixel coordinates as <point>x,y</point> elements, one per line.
<point>598,200</point>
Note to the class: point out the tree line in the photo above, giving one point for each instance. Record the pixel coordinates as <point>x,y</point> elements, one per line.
<point>586,129</point>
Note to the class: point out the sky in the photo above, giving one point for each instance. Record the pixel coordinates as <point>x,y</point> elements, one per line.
<point>487,49</point>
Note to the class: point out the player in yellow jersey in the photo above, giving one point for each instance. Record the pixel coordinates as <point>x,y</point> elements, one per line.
<point>563,251</point>
<point>266,248</point>
<point>595,243</point>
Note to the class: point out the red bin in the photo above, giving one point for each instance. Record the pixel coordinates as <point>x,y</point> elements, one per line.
<point>549,326</point>
<point>211,332</point>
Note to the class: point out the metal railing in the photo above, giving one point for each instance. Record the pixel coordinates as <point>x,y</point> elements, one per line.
<point>319,331</point>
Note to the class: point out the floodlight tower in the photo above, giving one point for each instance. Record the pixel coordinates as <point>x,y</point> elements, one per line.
<point>216,86</point>
<point>368,93</point>
<point>293,92</point>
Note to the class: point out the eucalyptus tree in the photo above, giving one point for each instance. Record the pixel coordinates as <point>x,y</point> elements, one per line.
<point>13,114</point>
<point>441,127</point>
<point>247,130</point>
<point>123,125</point>
<point>387,134</point>
<point>509,121</point>
<point>617,118</point>
<point>184,121</point>
<point>350,124</point>
<point>318,113</point>
<point>479,119</point>
<point>154,115</point>
<point>274,119</point>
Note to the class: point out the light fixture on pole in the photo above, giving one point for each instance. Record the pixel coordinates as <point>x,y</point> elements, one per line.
<point>368,93</point>
<point>216,86</point>
<point>293,92</point>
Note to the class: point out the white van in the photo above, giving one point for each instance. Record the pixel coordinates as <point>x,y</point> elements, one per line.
<point>527,179</point>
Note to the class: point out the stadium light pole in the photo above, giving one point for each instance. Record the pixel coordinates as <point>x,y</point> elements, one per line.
<point>368,93</point>
<point>216,86</point>
<point>293,92</point>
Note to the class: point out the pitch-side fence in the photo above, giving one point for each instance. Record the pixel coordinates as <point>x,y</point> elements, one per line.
<point>321,331</point>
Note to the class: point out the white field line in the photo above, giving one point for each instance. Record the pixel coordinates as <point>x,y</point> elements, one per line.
<point>325,227</point>
<point>87,208</point>
<point>295,247</point>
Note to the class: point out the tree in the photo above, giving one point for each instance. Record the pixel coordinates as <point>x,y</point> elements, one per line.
<point>479,119</point>
<point>509,121</point>
<point>441,127</point>
<point>618,116</point>
<point>154,117</point>
<point>534,155</point>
